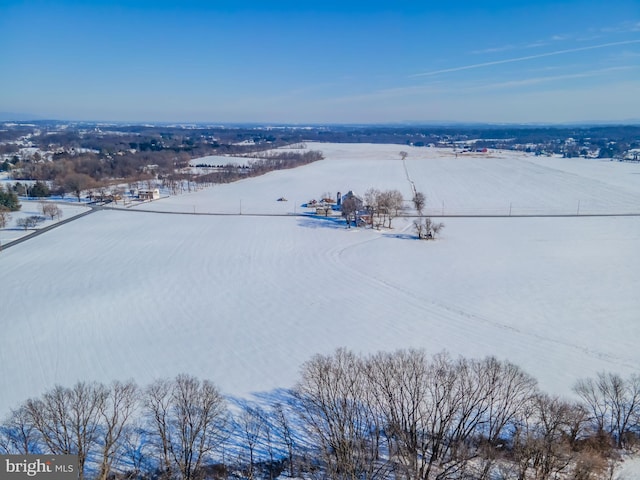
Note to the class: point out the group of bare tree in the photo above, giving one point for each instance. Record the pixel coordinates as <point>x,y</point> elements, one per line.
<point>401,415</point>
<point>280,160</point>
<point>264,163</point>
<point>405,415</point>
<point>69,178</point>
<point>30,222</point>
<point>383,206</point>
<point>425,227</point>
<point>87,420</point>
<point>180,182</point>
<point>410,416</point>
<point>614,405</point>
<point>168,429</point>
<point>50,210</point>
<point>104,161</point>
<point>377,209</point>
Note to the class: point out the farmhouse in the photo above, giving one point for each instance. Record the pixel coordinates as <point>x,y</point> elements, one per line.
<point>352,207</point>
<point>359,204</point>
<point>149,194</point>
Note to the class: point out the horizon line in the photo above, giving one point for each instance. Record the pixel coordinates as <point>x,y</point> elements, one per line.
<point>407,123</point>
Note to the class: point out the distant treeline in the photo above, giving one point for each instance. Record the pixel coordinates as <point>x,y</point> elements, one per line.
<point>202,141</point>
<point>102,156</point>
<point>394,415</point>
<point>87,171</point>
<point>176,182</point>
<point>269,162</point>
<point>98,155</point>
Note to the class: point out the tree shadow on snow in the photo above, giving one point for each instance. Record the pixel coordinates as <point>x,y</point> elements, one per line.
<point>266,411</point>
<point>401,236</point>
<point>318,221</point>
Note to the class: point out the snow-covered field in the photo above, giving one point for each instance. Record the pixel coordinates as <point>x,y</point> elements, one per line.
<point>244,300</point>
<point>32,207</point>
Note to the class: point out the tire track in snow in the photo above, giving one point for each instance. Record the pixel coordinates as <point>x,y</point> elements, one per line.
<point>576,182</point>
<point>445,312</point>
<point>411,182</point>
<point>415,309</point>
<point>473,185</point>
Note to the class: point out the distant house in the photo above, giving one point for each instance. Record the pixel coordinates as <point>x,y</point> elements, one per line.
<point>359,202</point>
<point>633,154</point>
<point>352,207</point>
<point>149,194</point>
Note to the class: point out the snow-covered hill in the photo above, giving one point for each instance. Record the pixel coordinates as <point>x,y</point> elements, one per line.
<point>244,300</point>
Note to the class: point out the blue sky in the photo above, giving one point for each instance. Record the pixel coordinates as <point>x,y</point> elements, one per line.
<point>322,61</point>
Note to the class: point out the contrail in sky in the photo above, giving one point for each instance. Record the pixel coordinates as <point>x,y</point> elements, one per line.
<point>521,59</point>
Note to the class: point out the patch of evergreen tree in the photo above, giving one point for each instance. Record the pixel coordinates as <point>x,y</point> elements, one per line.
<point>9,200</point>
<point>39,189</point>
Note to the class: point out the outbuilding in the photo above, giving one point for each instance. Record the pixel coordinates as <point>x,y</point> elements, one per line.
<point>149,194</point>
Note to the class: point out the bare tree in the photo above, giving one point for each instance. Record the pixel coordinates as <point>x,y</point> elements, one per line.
<point>399,384</point>
<point>332,393</point>
<point>508,390</point>
<point>419,201</point>
<point>394,203</point>
<point>454,406</point>
<point>427,229</point>
<point>372,207</point>
<point>116,414</point>
<point>158,405</point>
<point>67,420</point>
<point>31,221</point>
<point>614,403</point>
<point>137,452</point>
<point>283,424</point>
<point>552,452</point>
<point>18,435</point>
<point>350,210</point>
<point>438,411</point>
<point>383,206</point>
<point>50,210</point>
<point>4,216</point>
<point>77,182</point>
<point>269,434</point>
<point>187,419</point>
<point>252,426</point>
<point>548,442</point>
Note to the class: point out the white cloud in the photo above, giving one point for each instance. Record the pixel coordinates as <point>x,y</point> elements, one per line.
<point>552,78</point>
<point>504,48</point>
<point>522,59</point>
